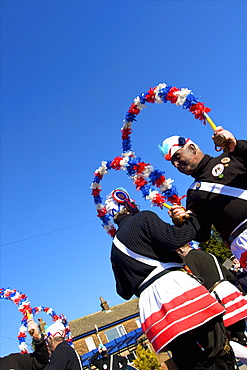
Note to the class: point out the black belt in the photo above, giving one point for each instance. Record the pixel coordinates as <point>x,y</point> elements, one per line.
<point>155,277</point>
<point>237,232</point>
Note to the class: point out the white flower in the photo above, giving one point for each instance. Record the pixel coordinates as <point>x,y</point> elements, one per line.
<point>103,169</point>
<point>138,103</point>
<point>182,94</point>
<point>108,227</point>
<point>95,185</point>
<point>23,346</point>
<point>167,184</point>
<point>126,125</point>
<point>22,329</point>
<point>152,194</point>
<point>124,162</point>
<point>157,90</point>
<point>147,171</point>
<point>99,206</point>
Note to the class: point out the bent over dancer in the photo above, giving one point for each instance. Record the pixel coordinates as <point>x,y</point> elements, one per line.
<point>177,313</point>
<point>219,193</point>
<point>220,283</point>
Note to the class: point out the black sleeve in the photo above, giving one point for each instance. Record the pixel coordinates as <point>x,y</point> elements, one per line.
<point>123,361</point>
<point>123,286</point>
<point>228,275</point>
<point>40,357</point>
<point>241,150</point>
<point>199,207</point>
<point>169,236</point>
<point>58,360</point>
<point>94,359</point>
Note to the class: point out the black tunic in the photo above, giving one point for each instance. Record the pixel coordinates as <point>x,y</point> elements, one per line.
<point>223,211</point>
<point>202,264</point>
<point>146,234</point>
<point>64,357</point>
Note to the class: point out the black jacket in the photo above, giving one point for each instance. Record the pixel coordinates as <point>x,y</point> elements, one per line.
<point>146,234</point>
<point>202,264</point>
<point>64,357</point>
<point>223,211</point>
<point>104,362</point>
<point>27,361</point>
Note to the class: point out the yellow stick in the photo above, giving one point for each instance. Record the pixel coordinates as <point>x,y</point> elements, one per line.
<point>166,205</point>
<point>210,121</point>
<point>29,315</point>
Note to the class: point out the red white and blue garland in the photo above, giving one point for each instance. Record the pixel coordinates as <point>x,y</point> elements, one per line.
<point>144,176</point>
<point>27,311</point>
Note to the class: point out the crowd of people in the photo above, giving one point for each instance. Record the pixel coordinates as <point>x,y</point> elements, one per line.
<point>189,304</point>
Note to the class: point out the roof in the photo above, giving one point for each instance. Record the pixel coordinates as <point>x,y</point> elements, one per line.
<point>115,345</point>
<point>101,319</point>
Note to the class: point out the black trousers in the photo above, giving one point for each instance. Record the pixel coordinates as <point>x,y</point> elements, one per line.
<point>203,348</point>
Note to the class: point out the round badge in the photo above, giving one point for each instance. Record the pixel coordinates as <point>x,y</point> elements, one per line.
<point>218,169</point>
<point>198,185</point>
<point>225,160</point>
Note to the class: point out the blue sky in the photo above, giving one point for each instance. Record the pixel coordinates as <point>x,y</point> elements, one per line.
<point>70,70</point>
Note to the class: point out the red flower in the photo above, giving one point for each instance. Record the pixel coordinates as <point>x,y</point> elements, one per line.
<point>159,200</point>
<point>160,180</point>
<point>16,300</point>
<point>150,97</point>
<point>116,163</point>
<point>102,212</point>
<point>133,109</point>
<point>139,167</point>
<point>112,231</point>
<point>198,109</point>
<point>243,260</point>
<point>98,175</point>
<point>170,96</point>
<point>21,335</point>
<point>139,182</point>
<point>126,133</point>
<point>96,192</point>
<point>24,351</point>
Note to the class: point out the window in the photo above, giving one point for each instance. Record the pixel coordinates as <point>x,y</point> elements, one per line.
<point>138,322</point>
<point>114,333</point>
<point>90,343</point>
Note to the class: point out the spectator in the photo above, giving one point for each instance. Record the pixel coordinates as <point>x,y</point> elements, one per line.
<point>63,357</point>
<point>107,361</point>
<point>36,360</point>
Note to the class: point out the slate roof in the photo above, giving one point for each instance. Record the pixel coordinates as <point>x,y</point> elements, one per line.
<point>87,324</point>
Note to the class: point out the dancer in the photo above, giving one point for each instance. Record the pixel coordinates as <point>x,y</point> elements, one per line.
<point>219,281</point>
<point>218,195</point>
<point>177,313</point>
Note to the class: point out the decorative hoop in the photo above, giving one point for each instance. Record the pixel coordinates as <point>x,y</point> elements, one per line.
<point>28,312</point>
<point>144,176</point>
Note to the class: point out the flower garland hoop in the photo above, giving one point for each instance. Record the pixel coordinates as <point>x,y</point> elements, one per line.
<point>162,93</point>
<point>23,304</point>
<point>144,176</point>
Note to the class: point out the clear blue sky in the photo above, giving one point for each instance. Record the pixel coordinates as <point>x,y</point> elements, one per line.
<point>70,70</point>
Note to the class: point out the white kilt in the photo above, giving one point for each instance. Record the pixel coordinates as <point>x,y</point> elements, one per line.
<point>174,304</point>
<point>234,302</point>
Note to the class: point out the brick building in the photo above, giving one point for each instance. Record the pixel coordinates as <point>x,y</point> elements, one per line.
<point>118,328</point>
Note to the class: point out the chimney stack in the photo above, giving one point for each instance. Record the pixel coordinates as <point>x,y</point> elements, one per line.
<point>104,304</point>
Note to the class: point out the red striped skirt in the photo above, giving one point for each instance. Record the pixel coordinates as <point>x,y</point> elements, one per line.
<point>174,304</point>
<point>234,302</point>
